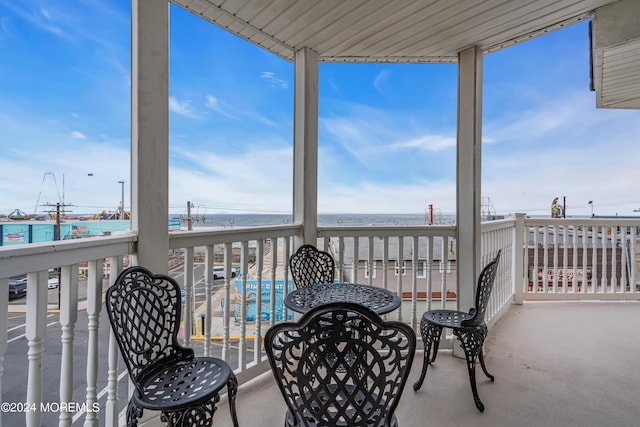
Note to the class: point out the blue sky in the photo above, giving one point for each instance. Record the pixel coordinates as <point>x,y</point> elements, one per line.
<point>386,131</point>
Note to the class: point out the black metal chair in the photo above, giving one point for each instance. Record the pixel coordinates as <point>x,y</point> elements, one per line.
<point>310,266</point>
<point>341,365</point>
<point>144,311</point>
<point>470,328</point>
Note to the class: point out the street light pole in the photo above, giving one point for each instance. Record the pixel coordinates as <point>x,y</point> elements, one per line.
<point>122,200</point>
<point>591,203</point>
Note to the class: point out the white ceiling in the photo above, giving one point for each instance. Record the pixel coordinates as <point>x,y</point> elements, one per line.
<point>419,31</point>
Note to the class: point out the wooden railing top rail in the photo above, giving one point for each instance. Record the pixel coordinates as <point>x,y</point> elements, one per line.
<point>203,237</point>
<point>584,221</point>
<point>20,259</point>
<point>388,231</point>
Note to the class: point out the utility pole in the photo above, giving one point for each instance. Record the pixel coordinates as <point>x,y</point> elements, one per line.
<point>60,209</point>
<point>57,221</point>
<point>189,224</point>
<point>122,199</point>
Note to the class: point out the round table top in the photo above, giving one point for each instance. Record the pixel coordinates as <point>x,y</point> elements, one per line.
<point>377,299</point>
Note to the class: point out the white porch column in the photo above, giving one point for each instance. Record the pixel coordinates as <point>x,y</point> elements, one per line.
<point>468,174</point>
<point>305,144</point>
<point>150,131</point>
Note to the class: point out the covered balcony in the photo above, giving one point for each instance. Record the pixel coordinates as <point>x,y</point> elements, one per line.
<point>566,298</point>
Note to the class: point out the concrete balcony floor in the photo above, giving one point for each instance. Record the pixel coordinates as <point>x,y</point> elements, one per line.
<point>555,363</point>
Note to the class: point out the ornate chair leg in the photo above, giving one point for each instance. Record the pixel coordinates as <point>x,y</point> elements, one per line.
<point>484,368</point>
<point>431,339</point>
<point>232,389</point>
<point>436,334</point>
<point>133,413</point>
<point>472,342</point>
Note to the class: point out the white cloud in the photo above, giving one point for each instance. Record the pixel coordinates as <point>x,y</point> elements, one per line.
<point>44,19</point>
<point>77,135</point>
<point>259,179</point>
<point>381,79</point>
<point>273,80</point>
<point>183,108</point>
<point>571,149</point>
<point>214,104</point>
<point>371,197</point>
<point>429,143</point>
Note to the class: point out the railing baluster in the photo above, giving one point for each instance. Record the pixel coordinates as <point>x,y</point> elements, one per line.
<point>605,245</point>
<point>545,261</point>
<point>226,311</point>
<point>356,260</point>
<point>94,306</point>
<point>632,267</point>
<point>36,330</point>
<point>574,263</point>
<point>429,291</point>
<point>68,287</point>
<point>257,335</point>
<point>188,313</point>
<point>341,258</point>
<point>112,406</point>
<point>208,290</point>
<point>272,294</point>
<point>594,259</point>
<point>385,262</point>
<point>444,263</point>
<point>370,261</point>
<point>242,349</point>
<point>285,274</point>
<point>414,283</point>
<point>614,261</point>
<point>536,279</point>
<point>585,247</point>
<point>565,256</point>
<point>400,268</point>
<point>556,238</point>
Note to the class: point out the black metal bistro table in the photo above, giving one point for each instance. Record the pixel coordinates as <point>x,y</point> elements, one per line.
<point>377,299</point>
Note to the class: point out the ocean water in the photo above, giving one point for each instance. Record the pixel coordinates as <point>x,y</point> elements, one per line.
<point>252,220</point>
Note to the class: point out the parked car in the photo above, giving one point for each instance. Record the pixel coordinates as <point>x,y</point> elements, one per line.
<point>17,287</point>
<point>52,283</point>
<point>218,272</point>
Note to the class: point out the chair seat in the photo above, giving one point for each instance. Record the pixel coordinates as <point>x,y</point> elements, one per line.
<point>446,318</point>
<point>339,400</point>
<point>183,384</point>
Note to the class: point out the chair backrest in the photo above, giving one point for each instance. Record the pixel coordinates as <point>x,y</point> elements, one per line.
<point>483,291</point>
<point>309,266</point>
<point>144,311</point>
<point>341,364</point>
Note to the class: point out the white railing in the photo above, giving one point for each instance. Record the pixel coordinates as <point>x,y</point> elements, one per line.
<point>499,235</point>
<point>416,262</point>
<point>34,261</point>
<point>597,259</point>
<point>257,255</point>
<point>585,259</point>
